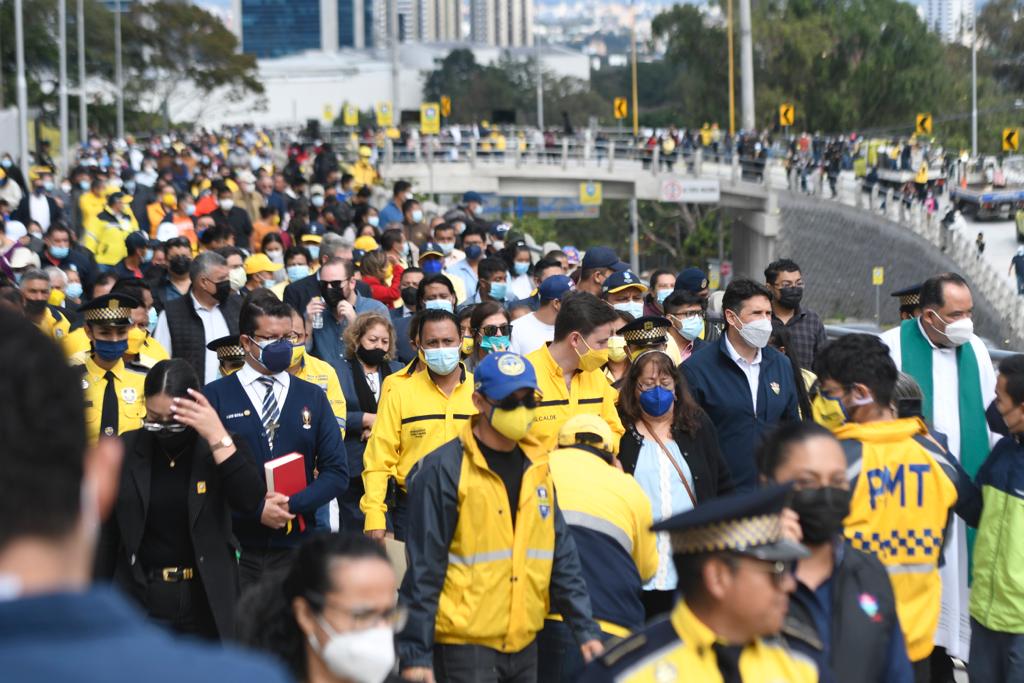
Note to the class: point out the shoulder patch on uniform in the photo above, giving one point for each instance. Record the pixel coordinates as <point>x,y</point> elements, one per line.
<point>653,638</point>
<point>631,644</point>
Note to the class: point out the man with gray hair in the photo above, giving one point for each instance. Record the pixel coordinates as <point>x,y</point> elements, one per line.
<point>210,311</point>
<point>333,246</point>
<point>35,295</point>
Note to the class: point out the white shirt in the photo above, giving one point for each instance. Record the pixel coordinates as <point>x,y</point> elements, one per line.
<point>529,334</point>
<point>214,327</point>
<point>519,287</point>
<point>249,378</point>
<point>751,370</point>
<point>39,210</point>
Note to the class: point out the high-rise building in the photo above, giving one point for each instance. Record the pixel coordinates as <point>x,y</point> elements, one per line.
<point>274,28</point>
<point>501,23</point>
<point>951,19</point>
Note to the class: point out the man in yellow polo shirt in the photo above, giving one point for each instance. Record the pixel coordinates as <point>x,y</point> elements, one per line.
<point>569,369</point>
<point>428,409</point>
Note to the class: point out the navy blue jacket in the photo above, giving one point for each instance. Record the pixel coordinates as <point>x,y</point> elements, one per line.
<point>722,390</point>
<point>403,345</point>
<point>354,444</point>
<point>97,637</point>
<point>319,441</point>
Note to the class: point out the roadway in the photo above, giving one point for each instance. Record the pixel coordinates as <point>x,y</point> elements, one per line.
<point>1000,244</point>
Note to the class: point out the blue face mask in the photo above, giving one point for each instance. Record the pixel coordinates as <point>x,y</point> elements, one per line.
<point>431,266</point>
<point>110,351</point>
<point>473,252</point>
<point>692,327</point>
<point>521,268</point>
<point>439,304</point>
<point>373,220</point>
<point>498,290</point>
<point>442,361</point>
<point>84,186</point>
<point>663,294</point>
<point>73,290</point>
<point>275,356</point>
<point>493,344</point>
<point>314,251</point>
<point>634,308</point>
<point>148,256</point>
<point>447,247</point>
<point>656,401</point>
<point>59,252</point>
<point>297,272</point>
<point>153,317</point>
<point>417,216</point>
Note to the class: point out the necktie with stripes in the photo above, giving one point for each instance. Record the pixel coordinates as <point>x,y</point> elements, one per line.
<point>271,411</point>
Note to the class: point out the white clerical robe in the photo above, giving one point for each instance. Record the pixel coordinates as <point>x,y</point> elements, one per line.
<point>954,631</point>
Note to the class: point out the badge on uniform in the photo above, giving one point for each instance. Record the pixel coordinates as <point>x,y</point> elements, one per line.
<point>775,387</point>
<point>85,384</point>
<point>543,504</point>
<point>108,431</point>
<point>247,412</point>
<point>200,487</point>
<point>665,672</point>
<point>870,606</point>
<point>307,418</point>
<point>128,395</point>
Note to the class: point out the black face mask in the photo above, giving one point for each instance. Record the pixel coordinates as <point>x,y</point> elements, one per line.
<point>996,421</point>
<point>332,295</point>
<point>179,264</point>
<point>372,357</point>
<point>789,297</point>
<point>222,291</point>
<point>409,297</point>
<point>33,307</point>
<point>822,512</point>
<point>176,443</point>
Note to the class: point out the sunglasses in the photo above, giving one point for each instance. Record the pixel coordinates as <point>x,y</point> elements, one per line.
<point>511,402</point>
<point>496,330</point>
<point>169,427</point>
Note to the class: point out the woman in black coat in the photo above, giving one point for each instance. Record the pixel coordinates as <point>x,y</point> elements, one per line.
<point>671,448</point>
<point>168,542</point>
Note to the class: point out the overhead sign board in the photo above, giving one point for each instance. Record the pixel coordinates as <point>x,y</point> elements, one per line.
<point>690,191</point>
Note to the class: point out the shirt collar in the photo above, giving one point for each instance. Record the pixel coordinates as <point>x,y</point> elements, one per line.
<point>736,356</point>
<point>198,306</point>
<point>920,326</point>
<point>248,375</point>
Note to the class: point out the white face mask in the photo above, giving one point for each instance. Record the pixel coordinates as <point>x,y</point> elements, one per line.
<point>237,278</point>
<point>361,656</point>
<point>756,332</point>
<point>958,332</point>
<point>227,204</point>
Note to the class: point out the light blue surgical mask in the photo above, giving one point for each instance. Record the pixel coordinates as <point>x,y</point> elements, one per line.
<point>447,247</point>
<point>662,295</point>
<point>417,216</point>
<point>692,327</point>
<point>498,290</point>
<point>442,361</point>
<point>59,252</point>
<point>153,317</point>
<point>634,308</point>
<point>147,256</point>
<point>373,220</point>
<point>494,344</point>
<point>439,304</point>
<point>73,290</point>
<point>521,268</point>
<point>314,251</point>
<point>297,272</point>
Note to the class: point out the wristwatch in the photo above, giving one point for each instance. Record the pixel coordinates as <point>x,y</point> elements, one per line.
<point>226,442</point>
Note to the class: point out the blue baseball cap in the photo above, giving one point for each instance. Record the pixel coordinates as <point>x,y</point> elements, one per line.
<point>501,374</point>
<point>622,280</point>
<point>603,257</point>
<point>554,287</point>
<point>431,249</point>
<point>472,196</point>
<point>691,280</point>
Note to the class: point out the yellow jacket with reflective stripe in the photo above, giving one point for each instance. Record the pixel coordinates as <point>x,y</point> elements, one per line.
<point>411,421</point>
<point>903,492</point>
<point>320,373</point>
<point>681,649</point>
<point>131,403</point>
<point>473,577</point>
<point>589,392</point>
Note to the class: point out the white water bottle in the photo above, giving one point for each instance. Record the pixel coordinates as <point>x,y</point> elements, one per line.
<point>318,317</point>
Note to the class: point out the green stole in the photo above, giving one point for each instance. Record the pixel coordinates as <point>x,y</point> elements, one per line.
<point>916,356</point>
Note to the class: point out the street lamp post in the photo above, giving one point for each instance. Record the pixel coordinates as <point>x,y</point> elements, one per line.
<point>62,17</point>
<point>974,82</point>
<point>746,66</point>
<point>21,84</point>
<point>83,109</point>
<point>118,70</point>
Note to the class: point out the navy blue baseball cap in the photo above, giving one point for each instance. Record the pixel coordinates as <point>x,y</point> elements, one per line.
<point>431,249</point>
<point>472,196</point>
<point>691,280</point>
<point>621,280</point>
<point>554,287</point>
<point>603,257</point>
<point>501,374</point>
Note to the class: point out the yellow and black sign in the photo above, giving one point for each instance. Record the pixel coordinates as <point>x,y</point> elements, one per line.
<point>385,115</point>
<point>590,194</point>
<point>1011,139</point>
<point>446,106</point>
<point>621,108</point>
<point>787,114</point>
<point>923,124</point>
<point>328,113</point>
<point>350,115</point>
<point>430,118</point>
<point>878,276</point>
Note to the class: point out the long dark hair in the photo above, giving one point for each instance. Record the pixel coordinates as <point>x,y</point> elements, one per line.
<point>173,377</point>
<point>780,340</point>
<point>686,412</point>
<point>265,618</point>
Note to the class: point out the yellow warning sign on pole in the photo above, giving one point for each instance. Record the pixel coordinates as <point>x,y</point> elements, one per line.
<point>446,106</point>
<point>385,116</point>
<point>430,118</point>
<point>350,115</point>
<point>621,108</point>
<point>328,113</point>
<point>787,114</point>
<point>878,276</point>
<point>590,194</point>
<point>1011,139</point>
<point>923,124</point>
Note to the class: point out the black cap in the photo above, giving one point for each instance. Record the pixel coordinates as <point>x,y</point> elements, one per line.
<point>109,309</point>
<point>910,297</point>
<point>747,523</point>
<point>649,330</point>
<point>227,348</point>
<point>602,257</point>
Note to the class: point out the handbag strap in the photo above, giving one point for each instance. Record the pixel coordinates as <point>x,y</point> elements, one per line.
<point>679,470</point>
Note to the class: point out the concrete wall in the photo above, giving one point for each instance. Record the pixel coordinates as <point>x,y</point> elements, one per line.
<point>837,246</point>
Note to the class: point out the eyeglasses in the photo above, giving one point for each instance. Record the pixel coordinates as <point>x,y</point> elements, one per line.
<point>686,315</point>
<point>394,617</point>
<point>777,571</point>
<point>496,330</point>
<point>169,427</point>
<point>265,341</point>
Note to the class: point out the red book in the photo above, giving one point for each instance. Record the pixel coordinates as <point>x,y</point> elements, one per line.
<point>287,475</point>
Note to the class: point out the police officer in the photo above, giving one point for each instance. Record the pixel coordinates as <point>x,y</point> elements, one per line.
<point>487,546</point>
<point>910,301</point>
<point>230,354</point>
<point>734,568</point>
<point>610,519</point>
<point>114,400</point>
<point>648,333</point>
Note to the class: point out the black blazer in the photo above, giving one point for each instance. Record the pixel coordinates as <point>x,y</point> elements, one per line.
<point>711,476</point>
<point>237,483</point>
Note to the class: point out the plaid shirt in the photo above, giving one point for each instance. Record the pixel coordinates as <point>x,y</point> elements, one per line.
<point>806,336</point>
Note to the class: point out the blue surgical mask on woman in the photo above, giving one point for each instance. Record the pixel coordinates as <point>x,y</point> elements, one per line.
<point>496,343</point>
<point>442,361</point>
<point>110,351</point>
<point>656,401</point>
<point>373,220</point>
<point>297,272</point>
<point>521,267</point>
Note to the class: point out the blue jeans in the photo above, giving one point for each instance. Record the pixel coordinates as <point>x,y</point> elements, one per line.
<point>995,655</point>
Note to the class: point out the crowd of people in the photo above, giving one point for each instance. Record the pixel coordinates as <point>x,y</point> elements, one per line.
<point>503,464</point>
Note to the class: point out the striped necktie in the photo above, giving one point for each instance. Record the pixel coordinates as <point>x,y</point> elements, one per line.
<point>271,411</point>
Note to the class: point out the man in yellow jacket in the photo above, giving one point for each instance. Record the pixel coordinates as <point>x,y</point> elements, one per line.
<point>488,549</point>
<point>905,484</point>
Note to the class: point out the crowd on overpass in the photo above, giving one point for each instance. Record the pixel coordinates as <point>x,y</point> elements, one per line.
<point>331,432</point>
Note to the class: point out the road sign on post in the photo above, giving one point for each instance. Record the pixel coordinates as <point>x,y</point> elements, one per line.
<point>446,106</point>
<point>787,114</point>
<point>385,116</point>
<point>590,194</point>
<point>350,115</point>
<point>923,124</point>
<point>878,279</point>
<point>430,118</point>
<point>621,108</point>
<point>1011,139</point>
<point>328,113</point>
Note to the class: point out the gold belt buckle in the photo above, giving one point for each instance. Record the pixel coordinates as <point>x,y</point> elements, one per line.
<point>169,574</point>
<point>176,574</point>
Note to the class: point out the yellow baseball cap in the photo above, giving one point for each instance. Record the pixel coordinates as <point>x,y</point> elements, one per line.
<point>261,263</point>
<point>366,243</point>
<point>589,430</point>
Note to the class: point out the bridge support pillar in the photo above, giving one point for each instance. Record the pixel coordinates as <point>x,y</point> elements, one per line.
<point>754,238</point>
